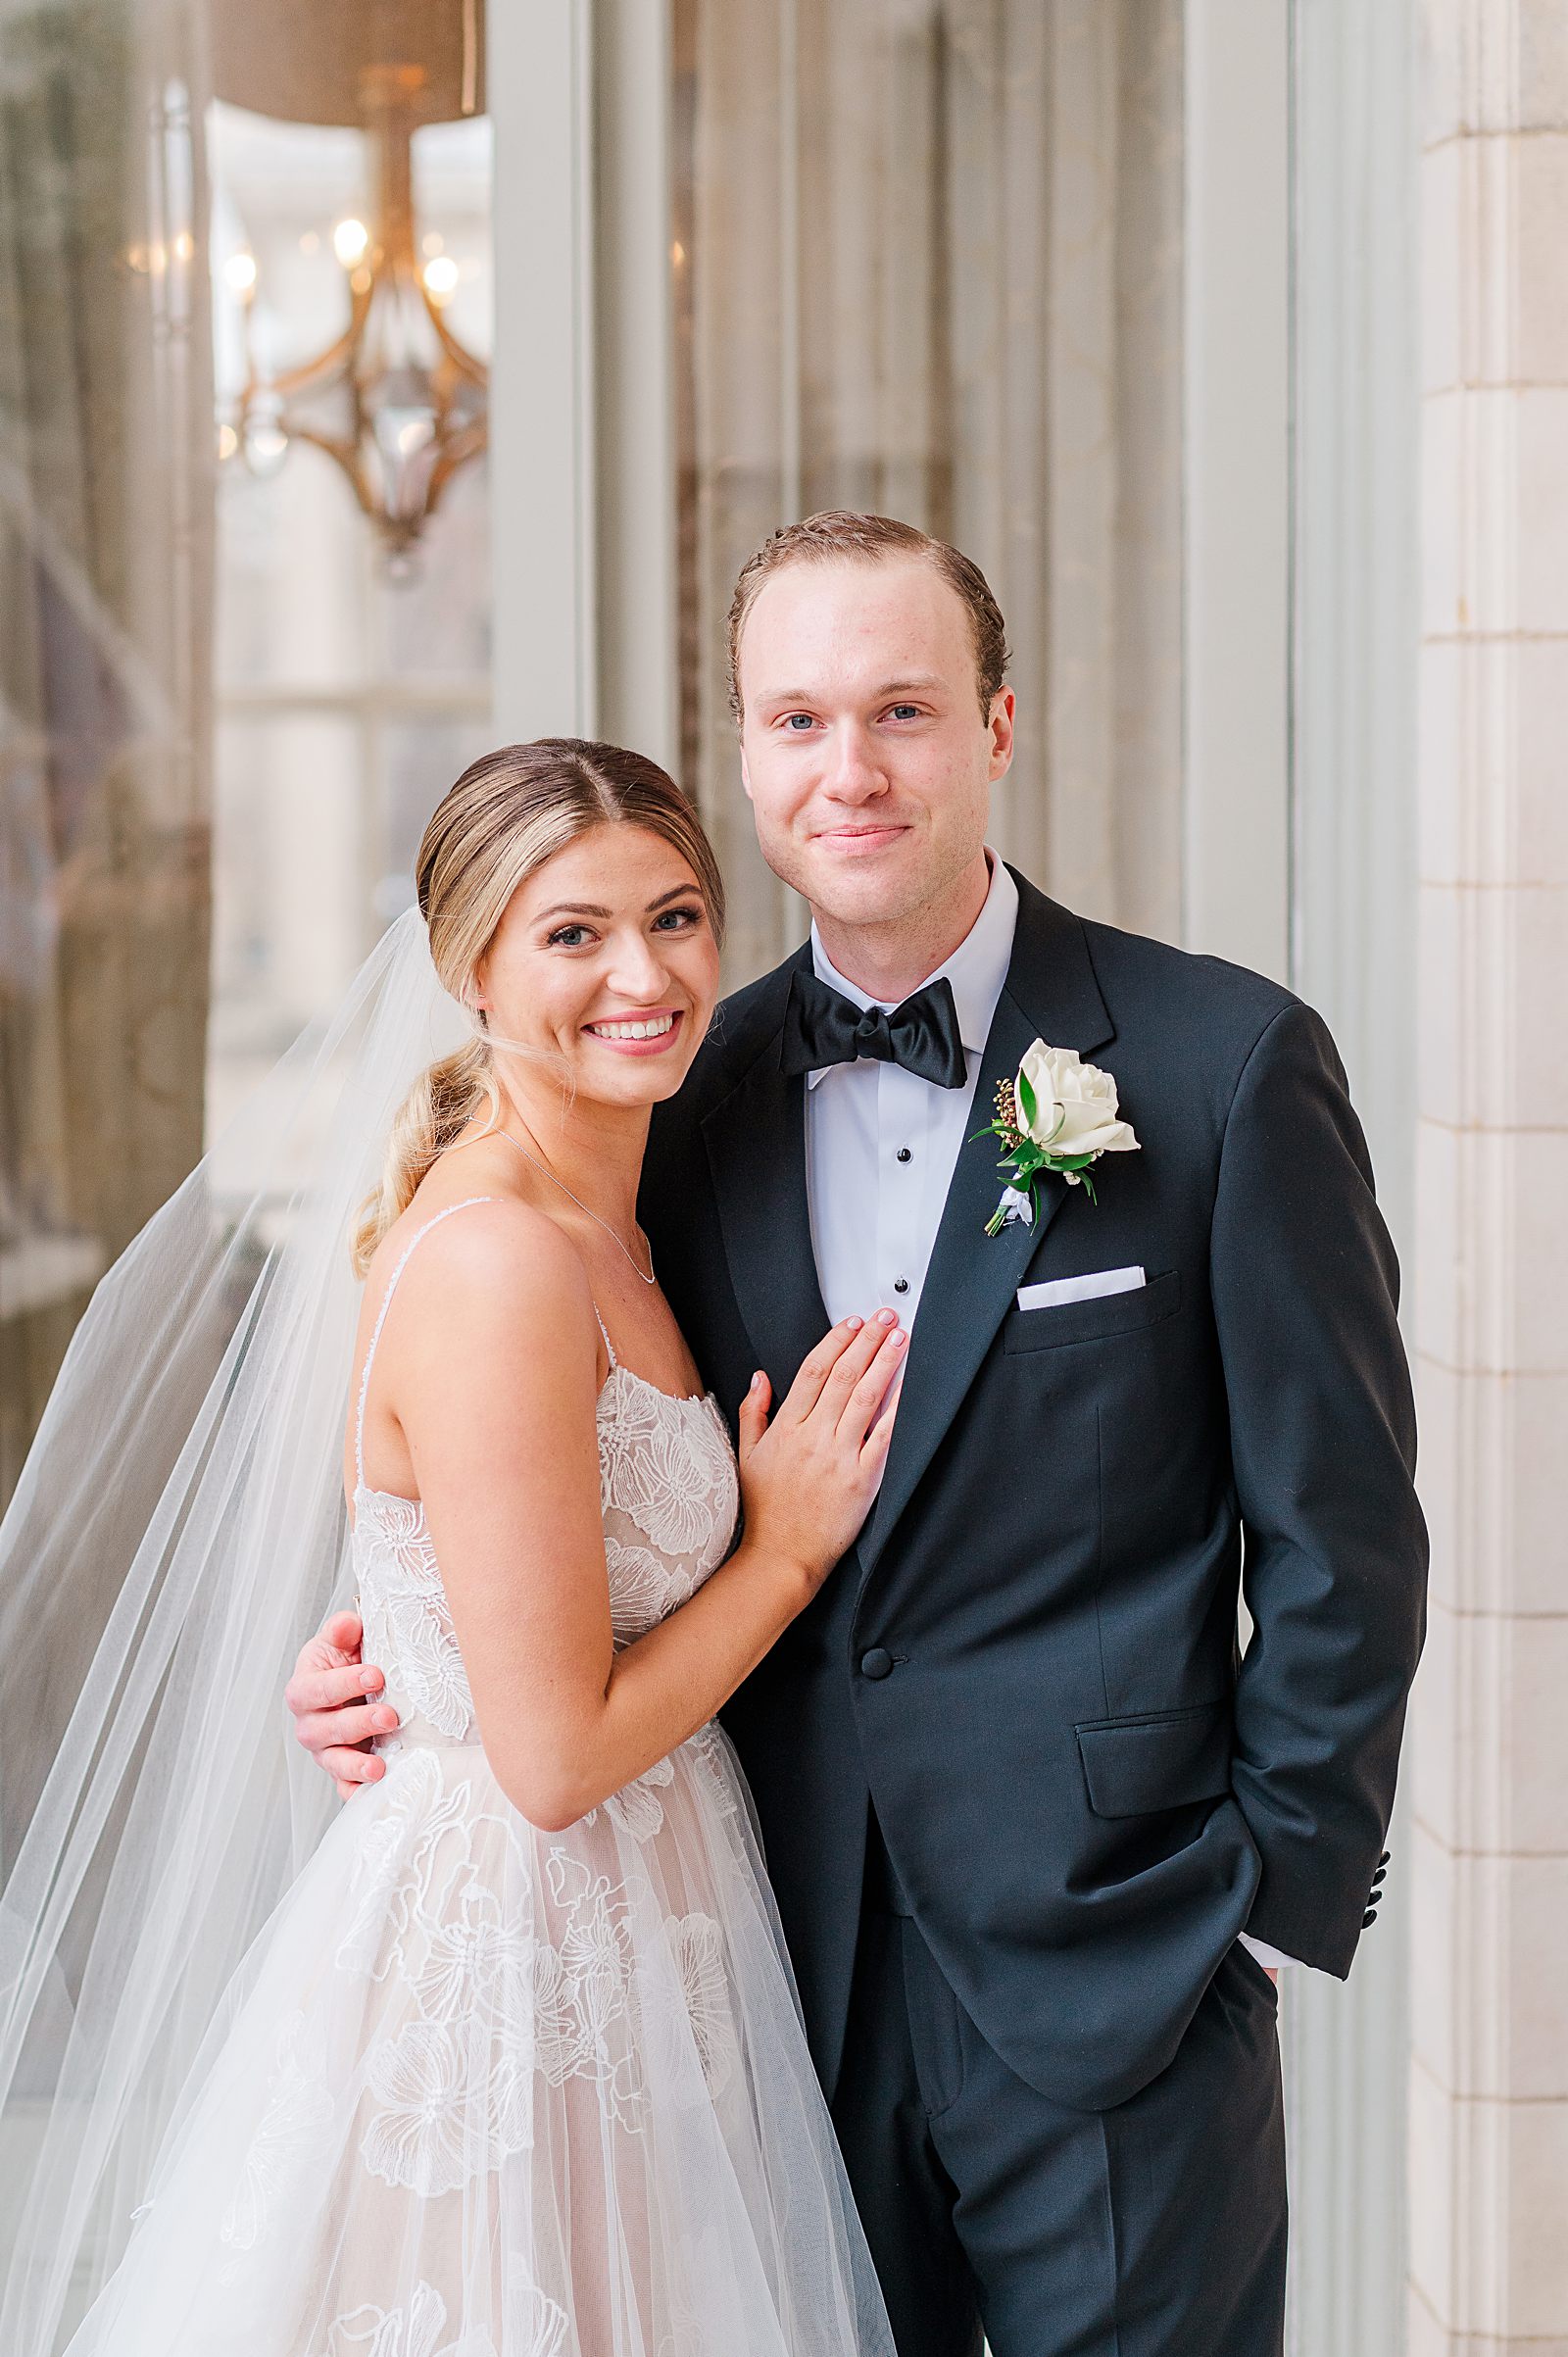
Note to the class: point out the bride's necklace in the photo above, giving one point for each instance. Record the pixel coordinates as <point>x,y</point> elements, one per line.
<point>651,1278</point>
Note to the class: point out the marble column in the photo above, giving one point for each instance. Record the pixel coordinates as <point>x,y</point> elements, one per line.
<point>1489,2106</point>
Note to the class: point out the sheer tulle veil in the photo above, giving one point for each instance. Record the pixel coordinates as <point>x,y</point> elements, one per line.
<point>178,1531</point>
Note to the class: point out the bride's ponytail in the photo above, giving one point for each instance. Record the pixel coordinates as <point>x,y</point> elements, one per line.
<point>508,814</point>
<point>433,1115</point>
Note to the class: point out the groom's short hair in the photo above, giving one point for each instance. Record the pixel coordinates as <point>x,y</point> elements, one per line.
<point>868,539</point>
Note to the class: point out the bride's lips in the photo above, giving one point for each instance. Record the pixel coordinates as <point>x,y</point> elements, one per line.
<point>631,1035</point>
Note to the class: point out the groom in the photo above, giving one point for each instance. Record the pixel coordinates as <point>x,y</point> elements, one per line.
<point>1035,1824</point>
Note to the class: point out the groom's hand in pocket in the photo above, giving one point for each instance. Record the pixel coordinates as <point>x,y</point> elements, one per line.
<point>337,1704</point>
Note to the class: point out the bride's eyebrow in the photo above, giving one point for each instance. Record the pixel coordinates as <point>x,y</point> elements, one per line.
<point>590,909</point>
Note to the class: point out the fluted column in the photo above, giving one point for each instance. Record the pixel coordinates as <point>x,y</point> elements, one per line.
<point>1488,2119</point>
<point>1355,600</point>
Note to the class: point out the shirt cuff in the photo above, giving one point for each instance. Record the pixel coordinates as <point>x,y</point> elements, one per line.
<point>1272,1959</point>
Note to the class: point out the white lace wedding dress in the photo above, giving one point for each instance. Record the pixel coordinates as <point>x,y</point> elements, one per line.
<point>482,2091</point>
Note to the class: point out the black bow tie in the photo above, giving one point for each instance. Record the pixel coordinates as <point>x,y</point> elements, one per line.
<point>822,1027</point>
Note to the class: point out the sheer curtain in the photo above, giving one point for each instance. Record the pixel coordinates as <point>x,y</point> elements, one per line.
<point>106,460</point>
<point>928,260</point>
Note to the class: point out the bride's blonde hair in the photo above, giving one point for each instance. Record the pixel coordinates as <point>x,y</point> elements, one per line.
<point>507,815</point>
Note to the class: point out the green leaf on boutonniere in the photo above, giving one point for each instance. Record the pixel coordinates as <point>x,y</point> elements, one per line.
<point>1028,1102</point>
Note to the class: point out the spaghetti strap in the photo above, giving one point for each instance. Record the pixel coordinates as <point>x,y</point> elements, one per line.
<point>408,1254</point>
<point>609,1345</point>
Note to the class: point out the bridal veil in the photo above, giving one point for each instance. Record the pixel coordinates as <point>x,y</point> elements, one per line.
<point>177,1532</point>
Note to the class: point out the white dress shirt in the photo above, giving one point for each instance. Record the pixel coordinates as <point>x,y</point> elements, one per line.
<point>881,1144</point>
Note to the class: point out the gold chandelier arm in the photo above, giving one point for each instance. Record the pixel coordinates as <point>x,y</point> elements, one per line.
<point>470,442</point>
<point>346,456</point>
<point>332,359</point>
<point>468,364</point>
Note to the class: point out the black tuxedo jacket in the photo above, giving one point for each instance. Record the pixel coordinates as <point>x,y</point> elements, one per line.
<point>1029,1662</point>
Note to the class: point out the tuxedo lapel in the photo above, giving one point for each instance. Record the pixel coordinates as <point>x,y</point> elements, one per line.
<point>1050,994</point>
<point>756,1145</point>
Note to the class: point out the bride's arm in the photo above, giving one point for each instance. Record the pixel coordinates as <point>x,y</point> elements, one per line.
<point>495,1385</point>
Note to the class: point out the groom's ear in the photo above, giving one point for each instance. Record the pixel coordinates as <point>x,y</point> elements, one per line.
<point>999,726</point>
<point>746,773</point>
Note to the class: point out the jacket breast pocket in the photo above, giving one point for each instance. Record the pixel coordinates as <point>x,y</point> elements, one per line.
<point>1111,1314</point>
<point>1162,1759</point>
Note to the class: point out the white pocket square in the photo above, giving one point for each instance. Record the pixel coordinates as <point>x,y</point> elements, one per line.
<point>1057,1289</point>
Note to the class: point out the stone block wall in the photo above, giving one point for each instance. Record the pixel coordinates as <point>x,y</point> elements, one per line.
<point>1489,2106</point>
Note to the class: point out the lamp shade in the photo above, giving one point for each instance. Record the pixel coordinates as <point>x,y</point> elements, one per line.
<point>312,60</point>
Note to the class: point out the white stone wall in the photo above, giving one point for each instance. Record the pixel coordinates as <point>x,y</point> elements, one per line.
<point>1489,2117</point>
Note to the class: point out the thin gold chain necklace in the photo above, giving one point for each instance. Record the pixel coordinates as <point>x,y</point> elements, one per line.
<point>544,1167</point>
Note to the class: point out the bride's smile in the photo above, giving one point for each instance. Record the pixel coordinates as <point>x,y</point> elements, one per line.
<point>606,965</point>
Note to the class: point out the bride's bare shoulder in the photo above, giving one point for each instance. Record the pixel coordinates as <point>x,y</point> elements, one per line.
<point>497,1256</point>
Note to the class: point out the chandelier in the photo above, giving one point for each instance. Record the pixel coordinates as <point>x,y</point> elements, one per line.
<point>396,400</point>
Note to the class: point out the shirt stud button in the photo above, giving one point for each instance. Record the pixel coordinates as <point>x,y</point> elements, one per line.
<point>905,1156</point>
<point>901,1284</point>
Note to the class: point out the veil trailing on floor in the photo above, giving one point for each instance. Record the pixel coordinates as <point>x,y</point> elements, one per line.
<point>178,1531</point>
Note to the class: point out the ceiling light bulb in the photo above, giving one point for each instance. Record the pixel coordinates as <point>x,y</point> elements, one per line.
<point>349,241</point>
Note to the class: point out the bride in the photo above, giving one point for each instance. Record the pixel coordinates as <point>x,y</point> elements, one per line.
<point>515,2067</point>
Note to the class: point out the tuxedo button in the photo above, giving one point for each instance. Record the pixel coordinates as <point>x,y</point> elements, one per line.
<point>876,1663</point>
<point>1370,1916</point>
<point>901,1284</point>
<point>905,1154</point>
<point>1377,1877</point>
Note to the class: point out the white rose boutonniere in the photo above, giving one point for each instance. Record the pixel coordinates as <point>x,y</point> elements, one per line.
<point>1059,1115</point>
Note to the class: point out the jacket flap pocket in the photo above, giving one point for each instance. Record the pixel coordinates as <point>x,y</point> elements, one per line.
<point>1104,1314</point>
<point>1162,1760</point>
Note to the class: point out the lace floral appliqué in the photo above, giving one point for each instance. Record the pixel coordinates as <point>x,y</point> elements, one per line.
<point>534,2325</point>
